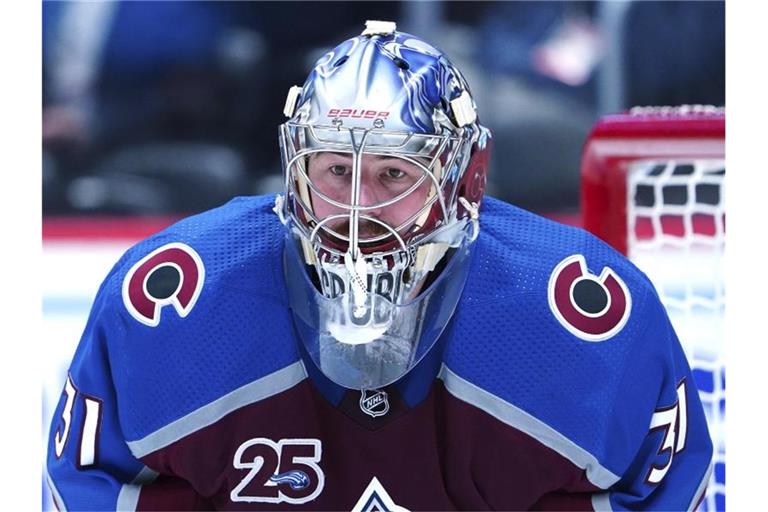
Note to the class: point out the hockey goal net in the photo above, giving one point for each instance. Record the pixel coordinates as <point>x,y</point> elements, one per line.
<point>653,183</point>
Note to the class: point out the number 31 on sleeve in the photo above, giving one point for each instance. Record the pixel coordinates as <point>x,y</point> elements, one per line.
<point>90,428</point>
<point>674,422</point>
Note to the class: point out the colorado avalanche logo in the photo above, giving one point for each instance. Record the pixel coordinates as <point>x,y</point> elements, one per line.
<point>590,307</point>
<point>172,274</point>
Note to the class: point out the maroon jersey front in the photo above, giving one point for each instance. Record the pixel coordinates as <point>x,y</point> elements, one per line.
<point>295,449</point>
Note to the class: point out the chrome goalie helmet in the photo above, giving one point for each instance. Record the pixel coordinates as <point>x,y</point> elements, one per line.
<point>385,167</point>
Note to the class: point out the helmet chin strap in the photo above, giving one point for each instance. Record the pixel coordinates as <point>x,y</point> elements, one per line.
<point>474,216</point>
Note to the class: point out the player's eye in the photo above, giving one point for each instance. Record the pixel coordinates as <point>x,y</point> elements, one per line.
<point>338,170</point>
<point>394,173</point>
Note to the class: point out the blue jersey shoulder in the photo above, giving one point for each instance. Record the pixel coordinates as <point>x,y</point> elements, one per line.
<point>200,303</point>
<point>517,250</point>
<point>549,320</point>
<point>242,232</point>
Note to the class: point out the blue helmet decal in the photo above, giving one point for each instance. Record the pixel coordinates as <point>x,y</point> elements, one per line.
<point>397,74</point>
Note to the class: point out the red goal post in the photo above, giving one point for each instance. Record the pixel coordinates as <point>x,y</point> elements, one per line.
<point>644,134</point>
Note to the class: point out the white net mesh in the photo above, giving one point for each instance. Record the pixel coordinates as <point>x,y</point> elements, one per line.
<point>676,235</point>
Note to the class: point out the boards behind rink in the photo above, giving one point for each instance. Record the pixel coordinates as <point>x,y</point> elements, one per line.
<point>653,186</point>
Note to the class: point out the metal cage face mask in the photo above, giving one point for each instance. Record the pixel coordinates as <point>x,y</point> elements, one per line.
<point>379,207</point>
<point>368,188</point>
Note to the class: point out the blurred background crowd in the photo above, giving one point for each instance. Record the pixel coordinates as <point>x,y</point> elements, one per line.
<point>171,108</point>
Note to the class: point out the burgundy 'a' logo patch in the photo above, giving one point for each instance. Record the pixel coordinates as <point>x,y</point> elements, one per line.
<point>170,275</point>
<point>593,308</point>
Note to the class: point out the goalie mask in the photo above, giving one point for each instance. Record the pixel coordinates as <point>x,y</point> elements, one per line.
<point>385,167</point>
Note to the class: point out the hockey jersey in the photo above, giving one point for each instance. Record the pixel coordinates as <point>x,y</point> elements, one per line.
<point>558,384</point>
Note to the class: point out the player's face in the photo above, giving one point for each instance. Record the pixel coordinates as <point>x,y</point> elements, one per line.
<point>382,178</point>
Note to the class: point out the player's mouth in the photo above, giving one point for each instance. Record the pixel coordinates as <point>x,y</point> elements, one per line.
<point>366,229</point>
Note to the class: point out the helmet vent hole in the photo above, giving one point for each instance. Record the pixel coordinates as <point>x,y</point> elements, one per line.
<point>341,61</point>
<point>402,64</point>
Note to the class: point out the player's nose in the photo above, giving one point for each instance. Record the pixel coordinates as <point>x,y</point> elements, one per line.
<point>370,197</point>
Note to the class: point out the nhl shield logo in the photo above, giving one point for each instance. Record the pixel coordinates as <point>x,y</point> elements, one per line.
<point>374,402</point>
